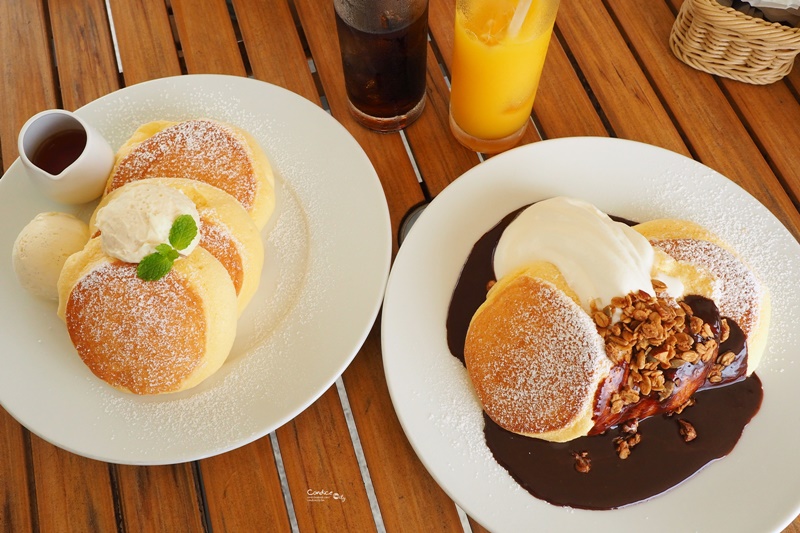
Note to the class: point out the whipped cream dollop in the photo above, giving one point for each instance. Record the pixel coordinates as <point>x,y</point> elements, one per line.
<point>136,221</point>
<point>41,249</point>
<point>599,258</point>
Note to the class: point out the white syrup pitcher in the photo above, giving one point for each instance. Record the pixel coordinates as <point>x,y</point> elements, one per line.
<point>65,157</point>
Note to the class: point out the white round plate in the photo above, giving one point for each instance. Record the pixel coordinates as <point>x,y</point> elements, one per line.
<point>328,248</point>
<point>755,488</point>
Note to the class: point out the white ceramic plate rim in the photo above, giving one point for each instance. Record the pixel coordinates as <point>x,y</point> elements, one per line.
<point>330,237</point>
<point>755,488</point>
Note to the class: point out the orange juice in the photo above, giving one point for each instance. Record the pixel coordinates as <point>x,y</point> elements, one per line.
<point>497,62</point>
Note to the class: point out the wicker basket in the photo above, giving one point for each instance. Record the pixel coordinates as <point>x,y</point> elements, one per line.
<point>726,42</point>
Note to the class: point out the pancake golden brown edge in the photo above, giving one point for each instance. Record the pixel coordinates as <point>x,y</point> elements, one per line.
<point>535,356</point>
<point>148,337</point>
<point>226,231</point>
<point>739,294</point>
<point>205,150</point>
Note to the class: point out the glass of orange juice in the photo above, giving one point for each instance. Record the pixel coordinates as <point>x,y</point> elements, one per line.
<point>498,54</point>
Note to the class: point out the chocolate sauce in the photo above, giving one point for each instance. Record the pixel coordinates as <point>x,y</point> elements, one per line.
<point>659,462</point>
<point>59,151</point>
<point>470,292</point>
<point>687,378</point>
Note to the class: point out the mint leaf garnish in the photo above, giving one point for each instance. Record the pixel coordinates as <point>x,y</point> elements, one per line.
<point>167,251</point>
<point>183,232</point>
<point>154,266</point>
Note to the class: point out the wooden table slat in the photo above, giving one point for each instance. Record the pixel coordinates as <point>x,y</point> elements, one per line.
<point>159,498</point>
<point>325,482</point>
<point>243,490</point>
<point>18,508</point>
<point>439,155</point>
<point>82,37</point>
<point>407,494</point>
<point>24,34</point>
<point>73,493</point>
<point>561,97</point>
<point>207,48</point>
<point>274,47</point>
<point>144,35</point>
<point>632,107</point>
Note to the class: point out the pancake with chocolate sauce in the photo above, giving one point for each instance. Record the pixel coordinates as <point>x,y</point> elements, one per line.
<point>546,364</point>
<point>226,230</point>
<point>148,337</point>
<point>736,290</point>
<point>204,150</point>
<point>535,357</point>
<point>599,470</point>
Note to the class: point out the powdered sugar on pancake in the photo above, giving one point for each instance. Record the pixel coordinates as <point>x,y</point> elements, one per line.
<point>126,330</point>
<point>223,245</point>
<point>535,357</point>
<point>737,291</point>
<point>209,151</point>
<point>281,356</point>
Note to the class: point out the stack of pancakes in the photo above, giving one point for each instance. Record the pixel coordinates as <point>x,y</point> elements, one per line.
<point>545,367</point>
<point>152,337</point>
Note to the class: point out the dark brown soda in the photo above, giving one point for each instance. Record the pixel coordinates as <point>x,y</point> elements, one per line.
<point>385,71</point>
<point>59,151</point>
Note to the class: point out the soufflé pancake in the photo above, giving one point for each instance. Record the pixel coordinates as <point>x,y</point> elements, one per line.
<point>148,337</point>
<point>535,357</point>
<point>590,324</point>
<point>226,230</point>
<point>735,289</point>
<point>204,150</point>
<point>152,287</point>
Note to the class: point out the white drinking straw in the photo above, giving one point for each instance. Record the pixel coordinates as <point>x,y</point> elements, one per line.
<point>519,17</point>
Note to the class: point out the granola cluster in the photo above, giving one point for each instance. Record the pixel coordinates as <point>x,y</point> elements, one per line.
<point>724,359</point>
<point>629,438</point>
<point>652,334</point>
<point>583,463</point>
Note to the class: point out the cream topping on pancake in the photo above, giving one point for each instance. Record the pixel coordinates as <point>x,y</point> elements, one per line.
<point>140,218</point>
<point>600,258</point>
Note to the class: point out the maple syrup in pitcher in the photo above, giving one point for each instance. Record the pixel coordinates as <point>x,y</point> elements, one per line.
<point>64,156</point>
<point>59,151</point>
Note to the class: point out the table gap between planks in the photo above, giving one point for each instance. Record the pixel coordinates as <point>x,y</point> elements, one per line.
<point>609,72</point>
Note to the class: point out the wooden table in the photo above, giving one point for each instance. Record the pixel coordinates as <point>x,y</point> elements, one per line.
<point>609,72</point>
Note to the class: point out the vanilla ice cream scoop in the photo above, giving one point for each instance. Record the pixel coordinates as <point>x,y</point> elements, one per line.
<point>41,249</point>
<point>134,223</point>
